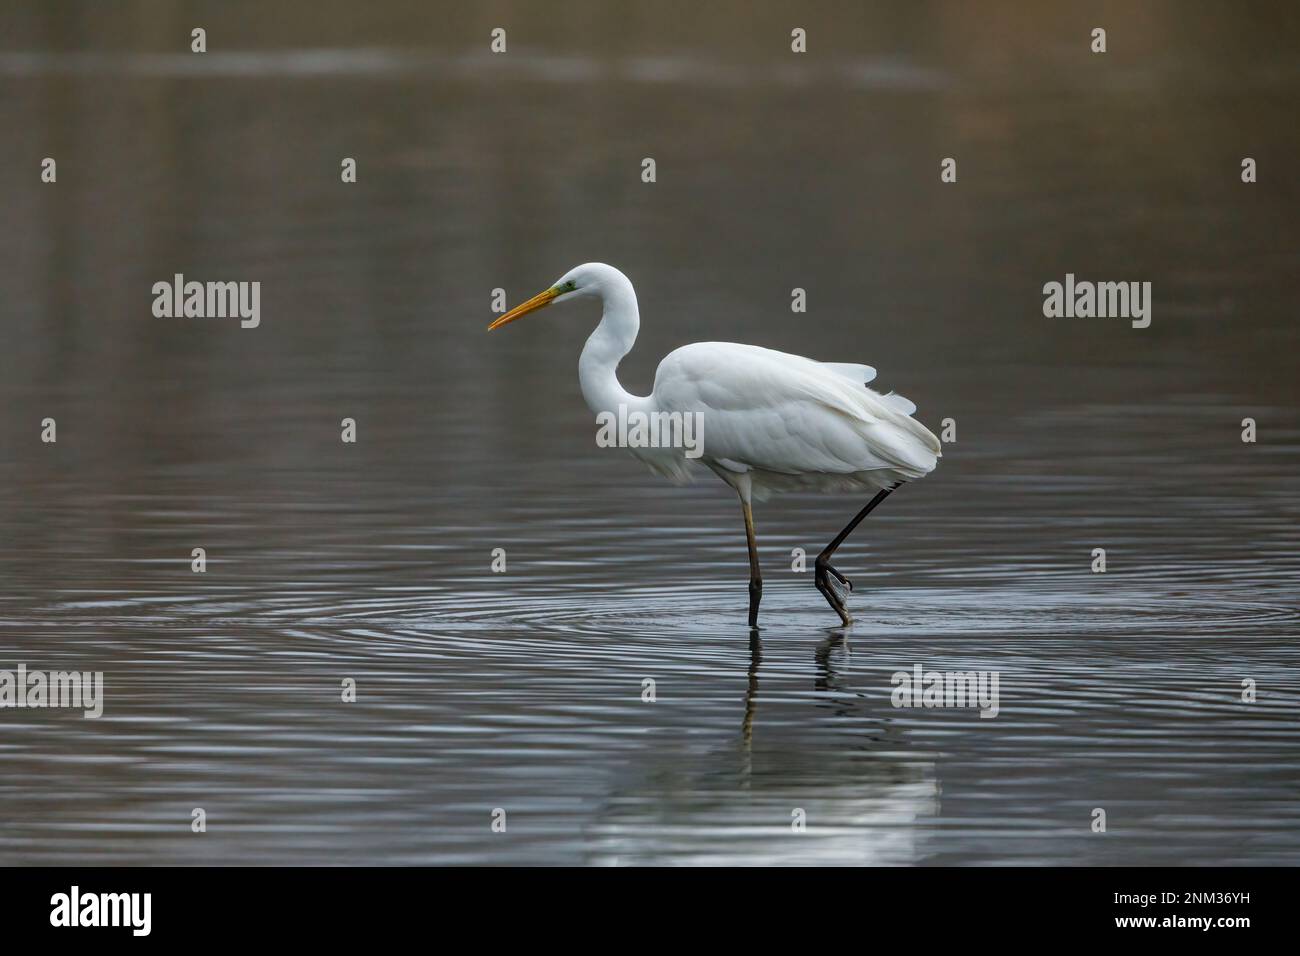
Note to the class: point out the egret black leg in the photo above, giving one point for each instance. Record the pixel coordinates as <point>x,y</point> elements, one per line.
<point>824,571</point>
<point>755,574</point>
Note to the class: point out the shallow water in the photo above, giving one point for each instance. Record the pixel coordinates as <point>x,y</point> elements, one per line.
<point>523,690</point>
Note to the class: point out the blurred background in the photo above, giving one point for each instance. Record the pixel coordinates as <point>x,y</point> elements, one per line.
<point>775,170</point>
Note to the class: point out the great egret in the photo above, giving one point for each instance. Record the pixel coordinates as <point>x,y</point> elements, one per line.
<point>770,421</point>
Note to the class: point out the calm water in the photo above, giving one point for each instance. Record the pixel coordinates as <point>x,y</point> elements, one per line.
<point>522,690</point>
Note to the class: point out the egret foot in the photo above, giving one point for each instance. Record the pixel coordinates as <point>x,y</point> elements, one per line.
<point>835,587</point>
<point>755,595</point>
<point>829,581</point>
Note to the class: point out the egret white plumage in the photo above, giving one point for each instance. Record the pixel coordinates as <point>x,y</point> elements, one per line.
<point>772,421</point>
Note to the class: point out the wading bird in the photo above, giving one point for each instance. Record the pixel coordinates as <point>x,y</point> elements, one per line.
<point>771,421</point>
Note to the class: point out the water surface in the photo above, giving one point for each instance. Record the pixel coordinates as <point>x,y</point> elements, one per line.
<point>523,690</point>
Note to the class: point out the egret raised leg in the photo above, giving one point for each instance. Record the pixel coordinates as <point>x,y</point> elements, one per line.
<point>824,572</point>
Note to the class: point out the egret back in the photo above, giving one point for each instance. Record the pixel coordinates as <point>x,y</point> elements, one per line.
<point>792,422</point>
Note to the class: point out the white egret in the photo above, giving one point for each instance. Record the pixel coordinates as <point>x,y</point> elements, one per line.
<point>771,421</point>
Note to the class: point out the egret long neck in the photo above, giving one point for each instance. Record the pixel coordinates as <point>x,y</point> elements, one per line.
<point>613,339</point>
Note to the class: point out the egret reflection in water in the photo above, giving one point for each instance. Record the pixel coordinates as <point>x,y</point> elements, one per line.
<point>857,797</point>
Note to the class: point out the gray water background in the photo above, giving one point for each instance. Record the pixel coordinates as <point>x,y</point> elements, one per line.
<point>522,690</point>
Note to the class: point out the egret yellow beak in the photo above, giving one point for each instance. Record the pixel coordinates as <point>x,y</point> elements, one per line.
<point>532,305</point>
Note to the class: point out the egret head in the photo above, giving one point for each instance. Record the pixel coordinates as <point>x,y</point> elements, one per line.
<point>589,278</point>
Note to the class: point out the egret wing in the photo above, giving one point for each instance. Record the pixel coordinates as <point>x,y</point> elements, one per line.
<point>786,414</point>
